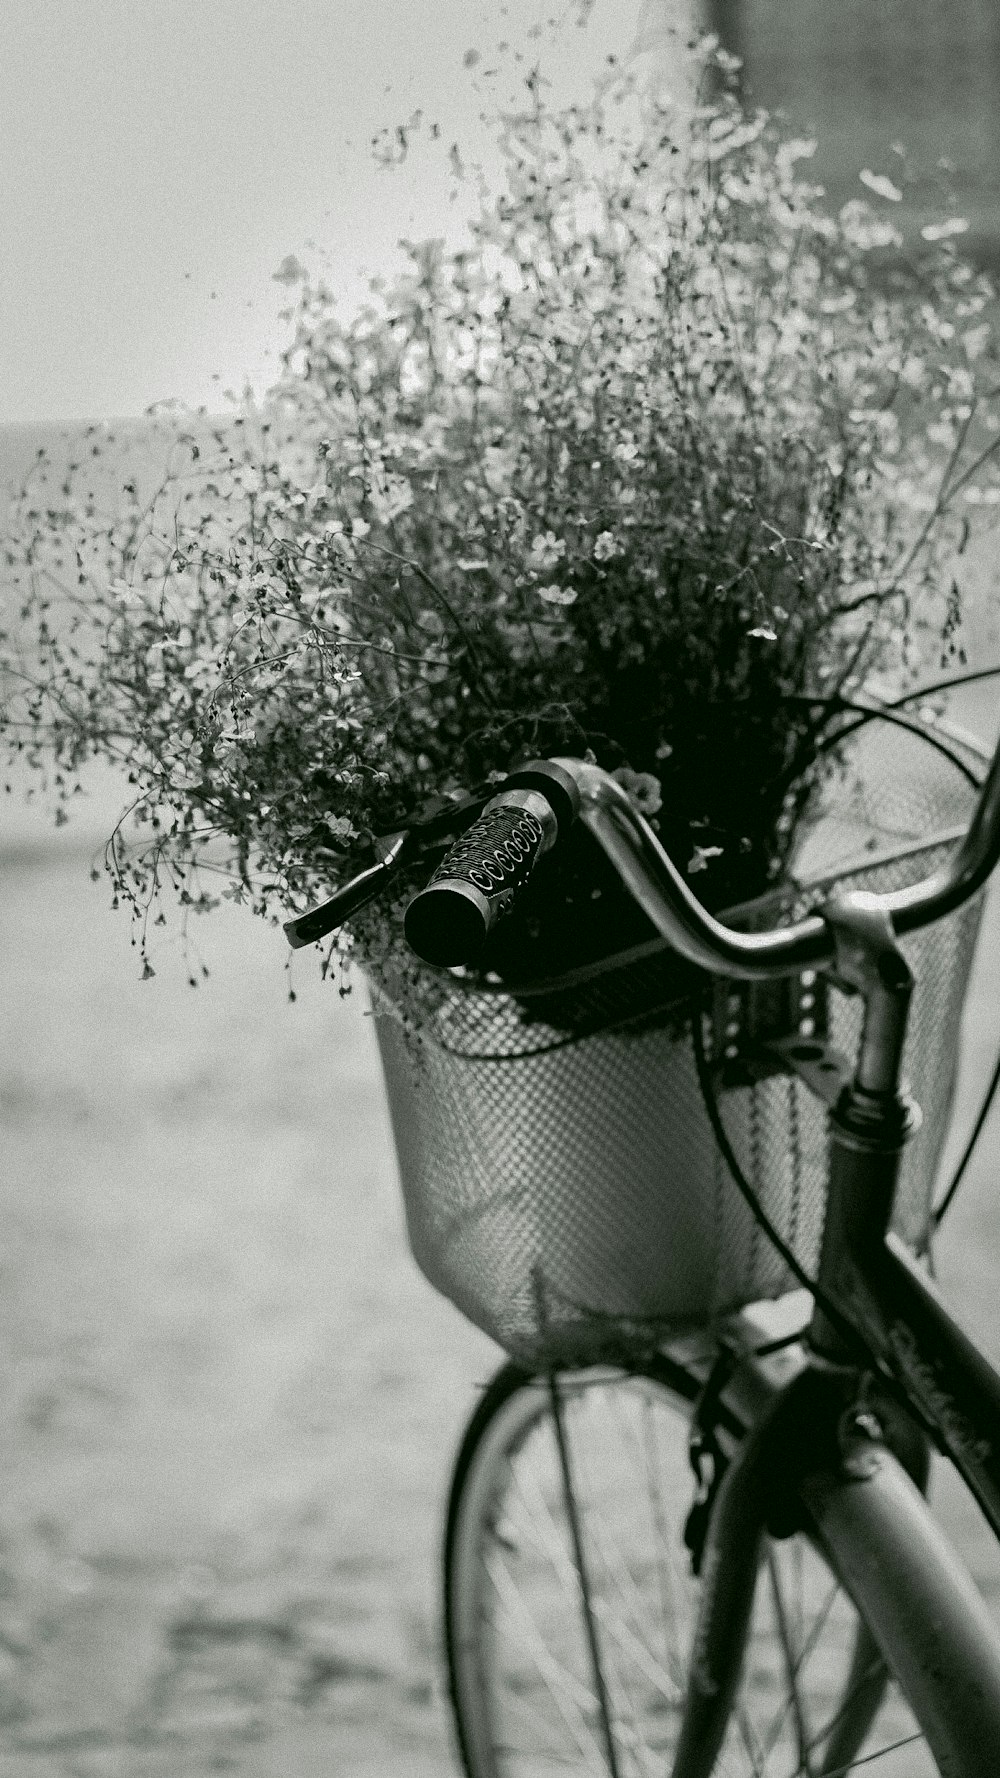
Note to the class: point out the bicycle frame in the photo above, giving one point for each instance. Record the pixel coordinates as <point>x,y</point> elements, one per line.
<point>837,1446</point>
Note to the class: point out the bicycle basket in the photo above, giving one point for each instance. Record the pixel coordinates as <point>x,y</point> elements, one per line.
<point>567,1194</point>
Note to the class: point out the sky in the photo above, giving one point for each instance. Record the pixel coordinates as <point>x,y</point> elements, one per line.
<point>160,159</point>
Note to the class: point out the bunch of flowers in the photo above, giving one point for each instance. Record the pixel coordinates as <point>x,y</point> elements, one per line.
<point>657,466</point>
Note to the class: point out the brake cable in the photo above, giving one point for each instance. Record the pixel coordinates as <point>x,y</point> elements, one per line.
<point>851,1335</point>
<point>940,1210</point>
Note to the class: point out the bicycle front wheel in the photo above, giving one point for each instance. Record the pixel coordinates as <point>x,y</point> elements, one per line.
<point>570,1604</point>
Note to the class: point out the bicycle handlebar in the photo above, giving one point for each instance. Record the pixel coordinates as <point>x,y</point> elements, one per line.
<point>657,885</point>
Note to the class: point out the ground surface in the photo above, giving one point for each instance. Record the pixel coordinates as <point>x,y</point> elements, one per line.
<point>229,1400</point>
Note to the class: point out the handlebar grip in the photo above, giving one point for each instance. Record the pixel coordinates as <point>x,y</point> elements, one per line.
<point>479,879</point>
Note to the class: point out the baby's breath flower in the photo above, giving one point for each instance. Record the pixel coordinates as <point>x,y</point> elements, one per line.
<point>641,788</point>
<point>864,231</point>
<point>606,546</point>
<point>554,594</point>
<point>546,550</point>
<point>390,498</point>
<point>796,148</point>
<point>945,231</point>
<point>976,339</point>
<point>125,594</point>
<point>881,185</point>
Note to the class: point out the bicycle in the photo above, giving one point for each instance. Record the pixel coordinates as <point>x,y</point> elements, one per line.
<point>710,1550</point>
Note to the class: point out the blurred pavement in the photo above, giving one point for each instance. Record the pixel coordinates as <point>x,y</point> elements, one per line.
<point>229,1400</point>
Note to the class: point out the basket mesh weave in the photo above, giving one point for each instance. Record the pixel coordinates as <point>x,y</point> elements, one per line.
<point>567,1194</point>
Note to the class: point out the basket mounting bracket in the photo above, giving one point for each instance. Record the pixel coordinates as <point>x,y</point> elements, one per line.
<point>776,1027</point>
<point>824,1070</point>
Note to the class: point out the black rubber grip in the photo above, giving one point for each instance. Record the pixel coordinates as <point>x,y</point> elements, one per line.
<point>475,884</point>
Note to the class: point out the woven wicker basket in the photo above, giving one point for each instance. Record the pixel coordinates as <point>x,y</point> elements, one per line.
<point>567,1193</point>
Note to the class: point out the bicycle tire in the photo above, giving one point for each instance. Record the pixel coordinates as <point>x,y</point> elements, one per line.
<point>535,1695</point>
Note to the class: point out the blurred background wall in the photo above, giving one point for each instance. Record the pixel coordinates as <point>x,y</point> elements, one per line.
<point>864,75</point>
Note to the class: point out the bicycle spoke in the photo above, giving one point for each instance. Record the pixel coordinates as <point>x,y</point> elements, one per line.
<point>662,1533</point>
<point>792,1665</point>
<point>563,1686</point>
<point>868,1759</point>
<point>549,1537</point>
<point>808,1644</point>
<point>846,1703</point>
<point>751,1745</point>
<point>539,1727</point>
<point>551,1542</point>
<point>635,1623</point>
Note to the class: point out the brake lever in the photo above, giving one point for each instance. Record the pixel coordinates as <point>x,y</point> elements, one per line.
<point>394,850</point>
<point>319,921</point>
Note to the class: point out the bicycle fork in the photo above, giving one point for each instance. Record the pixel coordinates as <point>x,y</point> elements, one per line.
<point>818,1465</point>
